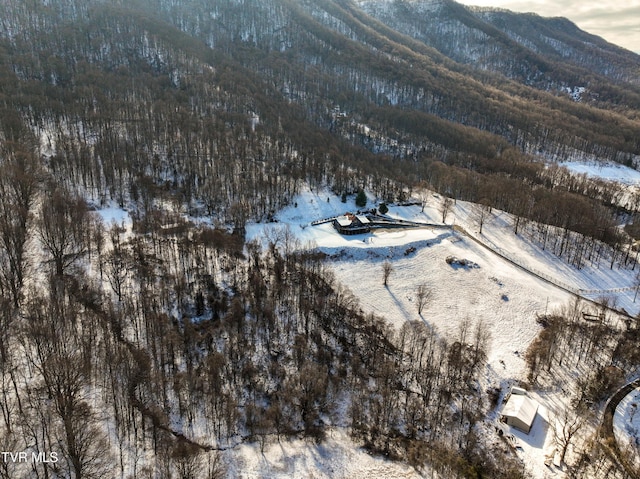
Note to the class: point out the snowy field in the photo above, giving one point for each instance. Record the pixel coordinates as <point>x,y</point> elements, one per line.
<point>606,171</point>
<point>500,295</point>
<point>336,458</point>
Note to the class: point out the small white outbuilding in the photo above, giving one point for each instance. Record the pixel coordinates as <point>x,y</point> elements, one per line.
<point>519,412</point>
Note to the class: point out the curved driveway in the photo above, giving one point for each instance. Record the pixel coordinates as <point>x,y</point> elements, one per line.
<point>606,429</point>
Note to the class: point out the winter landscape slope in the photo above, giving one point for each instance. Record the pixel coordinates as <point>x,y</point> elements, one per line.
<point>170,307</point>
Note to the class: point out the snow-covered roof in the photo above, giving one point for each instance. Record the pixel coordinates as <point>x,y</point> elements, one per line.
<point>363,219</point>
<point>518,391</point>
<point>522,407</point>
<point>344,220</point>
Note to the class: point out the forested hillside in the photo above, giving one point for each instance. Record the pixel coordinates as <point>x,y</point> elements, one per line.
<point>145,349</point>
<point>547,53</point>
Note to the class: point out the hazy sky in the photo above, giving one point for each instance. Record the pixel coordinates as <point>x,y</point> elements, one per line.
<point>617,21</point>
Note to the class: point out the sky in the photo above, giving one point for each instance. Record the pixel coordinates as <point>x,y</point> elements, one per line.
<point>617,21</point>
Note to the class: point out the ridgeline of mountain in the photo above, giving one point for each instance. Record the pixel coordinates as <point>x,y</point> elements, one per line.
<point>224,99</point>
<point>549,53</point>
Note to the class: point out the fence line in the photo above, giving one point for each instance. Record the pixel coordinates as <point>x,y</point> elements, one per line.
<point>323,220</point>
<point>545,277</point>
<point>508,257</point>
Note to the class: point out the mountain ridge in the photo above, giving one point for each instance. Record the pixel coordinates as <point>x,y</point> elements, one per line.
<point>329,77</point>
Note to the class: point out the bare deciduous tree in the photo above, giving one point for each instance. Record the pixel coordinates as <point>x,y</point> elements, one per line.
<point>62,375</point>
<point>445,207</point>
<point>568,422</point>
<point>387,268</point>
<point>18,184</point>
<point>482,211</point>
<point>62,228</point>
<point>424,199</point>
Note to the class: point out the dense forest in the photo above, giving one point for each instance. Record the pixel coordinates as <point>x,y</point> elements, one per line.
<point>146,353</point>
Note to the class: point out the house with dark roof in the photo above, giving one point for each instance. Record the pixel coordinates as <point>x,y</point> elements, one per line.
<point>350,224</point>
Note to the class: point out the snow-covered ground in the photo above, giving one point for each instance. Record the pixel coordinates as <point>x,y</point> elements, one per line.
<point>596,283</point>
<point>605,170</point>
<point>535,446</point>
<point>498,290</point>
<point>335,458</point>
<point>497,293</point>
<point>114,215</point>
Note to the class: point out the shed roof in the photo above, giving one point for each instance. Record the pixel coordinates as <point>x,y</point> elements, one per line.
<point>363,219</point>
<point>522,407</point>
<point>518,391</point>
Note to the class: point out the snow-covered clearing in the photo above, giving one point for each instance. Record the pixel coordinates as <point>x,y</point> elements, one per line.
<point>335,458</point>
<point>605,170</point>
<point>114,215</point>
<point>502,296</point>
<point>591,282</point>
